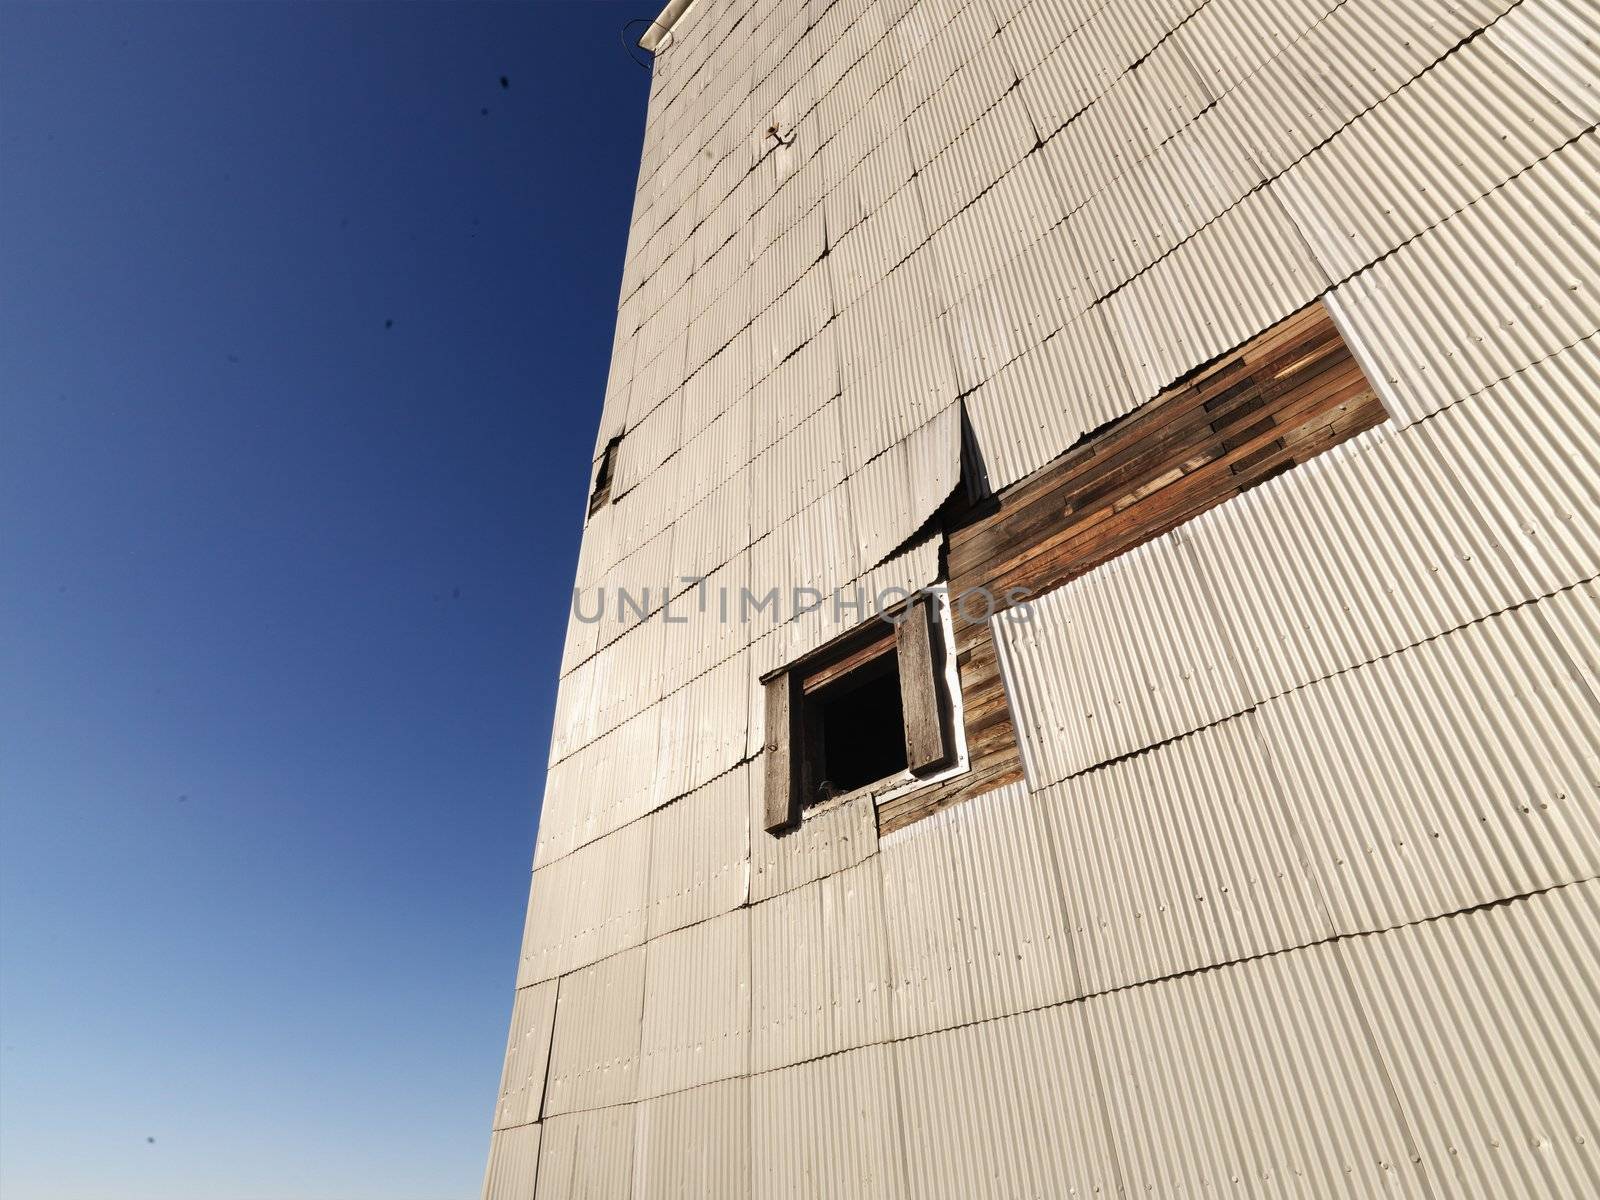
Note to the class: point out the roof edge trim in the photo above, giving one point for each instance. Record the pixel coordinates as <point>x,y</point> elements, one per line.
<point>659,35</point>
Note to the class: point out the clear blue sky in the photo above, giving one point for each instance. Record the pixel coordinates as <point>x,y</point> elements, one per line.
<point>282,590</point>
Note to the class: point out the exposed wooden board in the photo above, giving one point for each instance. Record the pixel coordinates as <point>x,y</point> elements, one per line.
<point>928,744</point>
<point>783,719</point>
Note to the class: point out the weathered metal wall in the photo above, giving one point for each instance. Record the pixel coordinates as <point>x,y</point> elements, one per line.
<point>1299,896</point>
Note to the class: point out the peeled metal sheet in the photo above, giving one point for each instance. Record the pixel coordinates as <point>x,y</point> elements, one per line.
<point>1502,284</point>
<point>1180,858</point>
<point>700,855</point>
<point>975,920</point>
<point>1247,269</point>
<point>1256,1079</point>
<point>906,389</point>
<point>1453,134</point>
<point>695,1144</point>
<point>1452,774</point>
<point>820,845</point>
<point>513,1164</point>
<point>1486,1025</point>
<point>1486,505</point>
<point>1006,1108</point>
<point>588,1156</point>
<point>894,494</point>
<point>820,969</point>
<point>1119,659</point>
<point>527,1055</point>
<point>830,1127</point>
<point>594,1054</point>
<point>697,1006</point>
<point>587,906</point>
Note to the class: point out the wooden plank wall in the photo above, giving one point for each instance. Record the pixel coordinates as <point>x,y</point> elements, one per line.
<point>1286,395</point>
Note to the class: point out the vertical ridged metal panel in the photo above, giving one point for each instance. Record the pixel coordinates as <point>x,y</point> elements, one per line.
<point>1119,659</point>
<point>1488,504</point>
<point>513,1164</point>
<point>1487,1025</point>
<point>594,1052</point>
<point>820,969</point>
<point>1006,1109</point>
<point>1179,858</point>
<point>533,1019</point>
<point>697,1006</point>
<point>820,845</point>
<point>1254,1079</point>
<point>694,1145</point>
<point>830,1128</point>
<point>587,906</point>
<point>700,855</point>
<point>588,1156</point>
<point>1455,773</point>
<point>975,920</point>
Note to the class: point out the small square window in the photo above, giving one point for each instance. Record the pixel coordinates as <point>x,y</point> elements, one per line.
<point>872,708</point>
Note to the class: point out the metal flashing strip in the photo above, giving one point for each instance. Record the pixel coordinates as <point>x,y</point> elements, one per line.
<point>658,36</point>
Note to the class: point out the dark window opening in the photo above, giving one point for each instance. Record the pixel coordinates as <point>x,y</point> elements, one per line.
<point>859,730</point>
<point>602,476</point>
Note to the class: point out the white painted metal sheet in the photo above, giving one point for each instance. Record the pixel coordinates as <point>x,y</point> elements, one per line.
<point>588,1156</point>
<point>697,1006</point>
<point>1180,858</point>
<point>1486,1024</point>
<point>694,1145</point>
<point>587,905</point>
<point>513,1164</point>
<point>533,1019</point>
<point>1458,772</point>
<point>594,1054</point>
<point>1120,659</point>
<point>700,855</point>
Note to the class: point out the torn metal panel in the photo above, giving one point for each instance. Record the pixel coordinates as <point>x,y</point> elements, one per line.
<point>1180,858</point>
<point>697,1006</point>
<point>1006,1108</point>
<point>1486,1025</point>
<point>533,1018</point>
<point>1122,658</point>
<point>594,1054</point>
<point>1452,774</point>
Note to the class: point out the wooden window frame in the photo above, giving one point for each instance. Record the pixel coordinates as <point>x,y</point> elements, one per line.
<point>930,706</point>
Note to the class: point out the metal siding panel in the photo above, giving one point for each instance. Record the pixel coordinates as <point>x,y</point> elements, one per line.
<point>697,1006</point>
<point>588,1156</point>
<point>1006,1109</point>
<point>1557,42</point>
<point>694,1145</point>
<point>1022,207</point>
<point>1119,659</point>
<point>820,969</point>
<point>594,1054</point>
<point>1487,1023</point>
<point>700,855</point>
<point>1256,1079</point>
<point>533,1018</point>
<point>1454,773</point>
<point>830,1127</point>
<point>976,925</point>
<point>822,844</point>
<point>1180,858</point>
<point>513,1164</point>
<point>587,905</point>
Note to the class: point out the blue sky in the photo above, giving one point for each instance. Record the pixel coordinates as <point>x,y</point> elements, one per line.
<point>283,587</point>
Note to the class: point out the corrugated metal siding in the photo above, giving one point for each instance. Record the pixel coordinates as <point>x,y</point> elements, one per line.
<point>1252,1080</point>
<point>1179,858</point>
<point>1006,1109</point>
<point>695,1145</point>
<point>594,1054</point>
<point>697,1006</point>
<point>587,906</point>
<point>533,1019</point>
<point>588,1156</point>
<point>1119,659</point>
<point>700,855</point>
<point>513,1164</point>
<point>975,920</point>
<point>820,969</point>
<point>823,844</point>
<point>1486,1023</point>
<point>1455,773</point>
<point>828,1128</point>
